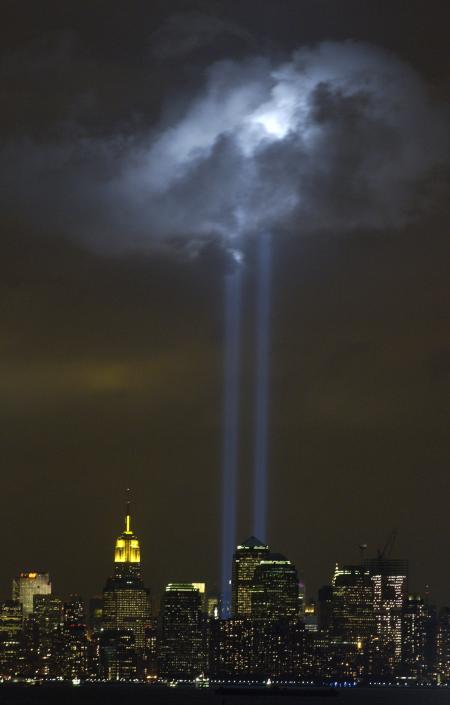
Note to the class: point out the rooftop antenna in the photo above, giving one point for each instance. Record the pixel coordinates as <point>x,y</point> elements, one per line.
<point>128,511</point>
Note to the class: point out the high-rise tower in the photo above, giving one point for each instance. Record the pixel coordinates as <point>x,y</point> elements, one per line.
<point>352,604</point>
<point>27,585</point>
<point>126,603</point>
<point>390,584</point>
<point>182,635</point>
<point>274,594</point>
<point>246,558</point>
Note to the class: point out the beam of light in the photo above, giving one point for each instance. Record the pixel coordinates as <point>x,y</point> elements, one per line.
<point>262,388</point>
<point>230,431</point>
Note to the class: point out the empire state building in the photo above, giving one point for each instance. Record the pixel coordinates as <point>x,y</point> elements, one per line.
<point>126,602</point>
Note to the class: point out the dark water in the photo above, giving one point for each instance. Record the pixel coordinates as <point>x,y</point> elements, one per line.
<point>150,695</point>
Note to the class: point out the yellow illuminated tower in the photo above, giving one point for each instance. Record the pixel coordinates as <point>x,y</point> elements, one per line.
<point>126,602</point>
<point>127,553</point>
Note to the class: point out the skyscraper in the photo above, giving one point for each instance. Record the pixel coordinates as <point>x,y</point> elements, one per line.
<point>126,602</point>
<point>11,617</point>
<point>231,648</point>
<point>74,639</point>
<point>325,607</point>
<point>274,590</point>
<point>353,604</point>
<point>116,651</point>
<point>26,585</point>
<point>390,585</point>
<point>245,560</point>
<point>352,623</point>
<point>443,646</point>
<point>415,620</point>
<point>48,620</point>
<point>182,632</point>
<point>11,642</point>
<point>265,592</point>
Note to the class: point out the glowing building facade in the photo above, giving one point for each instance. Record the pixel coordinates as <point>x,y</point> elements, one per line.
<point>353,604</point>
<point>443,646</point>
<point>390,588</point>
<point>352,621</point>
<point>415,620</point>
<point>11,642</point>
<point>126,602</point>
<point>26,586</point>
<point>231,648</point>
<point>245,560</point>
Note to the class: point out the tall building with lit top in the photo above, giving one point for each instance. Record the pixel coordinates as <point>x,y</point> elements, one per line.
<point>390,587</point>
<point>26,586</point>
<point>182,649</point>
<point>353,604</point>
<point>352,622</point>
<point>126,602</point>
<point>415,619</point>
<point>246,558</point>
<point>274,593</point>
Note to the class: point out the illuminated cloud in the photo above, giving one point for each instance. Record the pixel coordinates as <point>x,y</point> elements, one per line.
<point>341,136</point>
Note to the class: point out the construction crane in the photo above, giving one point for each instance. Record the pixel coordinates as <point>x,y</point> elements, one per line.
<point>362,548</point>
<point>388,546</point>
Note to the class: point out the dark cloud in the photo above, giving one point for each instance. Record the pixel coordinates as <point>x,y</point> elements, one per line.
<point>184,33</point>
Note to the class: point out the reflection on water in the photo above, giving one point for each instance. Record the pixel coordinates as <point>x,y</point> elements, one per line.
<point>151,695</point>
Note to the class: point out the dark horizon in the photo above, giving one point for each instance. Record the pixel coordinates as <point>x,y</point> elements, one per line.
<point>111,358</point>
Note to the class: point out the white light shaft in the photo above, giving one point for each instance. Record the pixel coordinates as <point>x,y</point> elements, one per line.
<point>230,430</point>
<point>262,388</point>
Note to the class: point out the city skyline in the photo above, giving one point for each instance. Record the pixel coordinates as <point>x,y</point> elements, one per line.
<point>365,627</point>
<point>128,550</point>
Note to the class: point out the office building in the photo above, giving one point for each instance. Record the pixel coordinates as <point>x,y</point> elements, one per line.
<point>48,622</point>
<point>182,633</point>
<point>26,586</point>
<point>352,604</point>
<point>126,602</point>
<point>390,588</point>
<point>274,589</point>
<point>74,641</point>
<point>415,619</point>
<point>246,558</point>
<point>12,652</point>
<point>443,646</point>
<point>231,648</point>
<point>116,655</point>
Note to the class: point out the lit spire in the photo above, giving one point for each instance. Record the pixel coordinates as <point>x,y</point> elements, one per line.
<point>128,513</point>
<point>127,545</point>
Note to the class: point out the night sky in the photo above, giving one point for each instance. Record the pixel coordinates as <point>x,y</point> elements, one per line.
<point>111,354</point>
